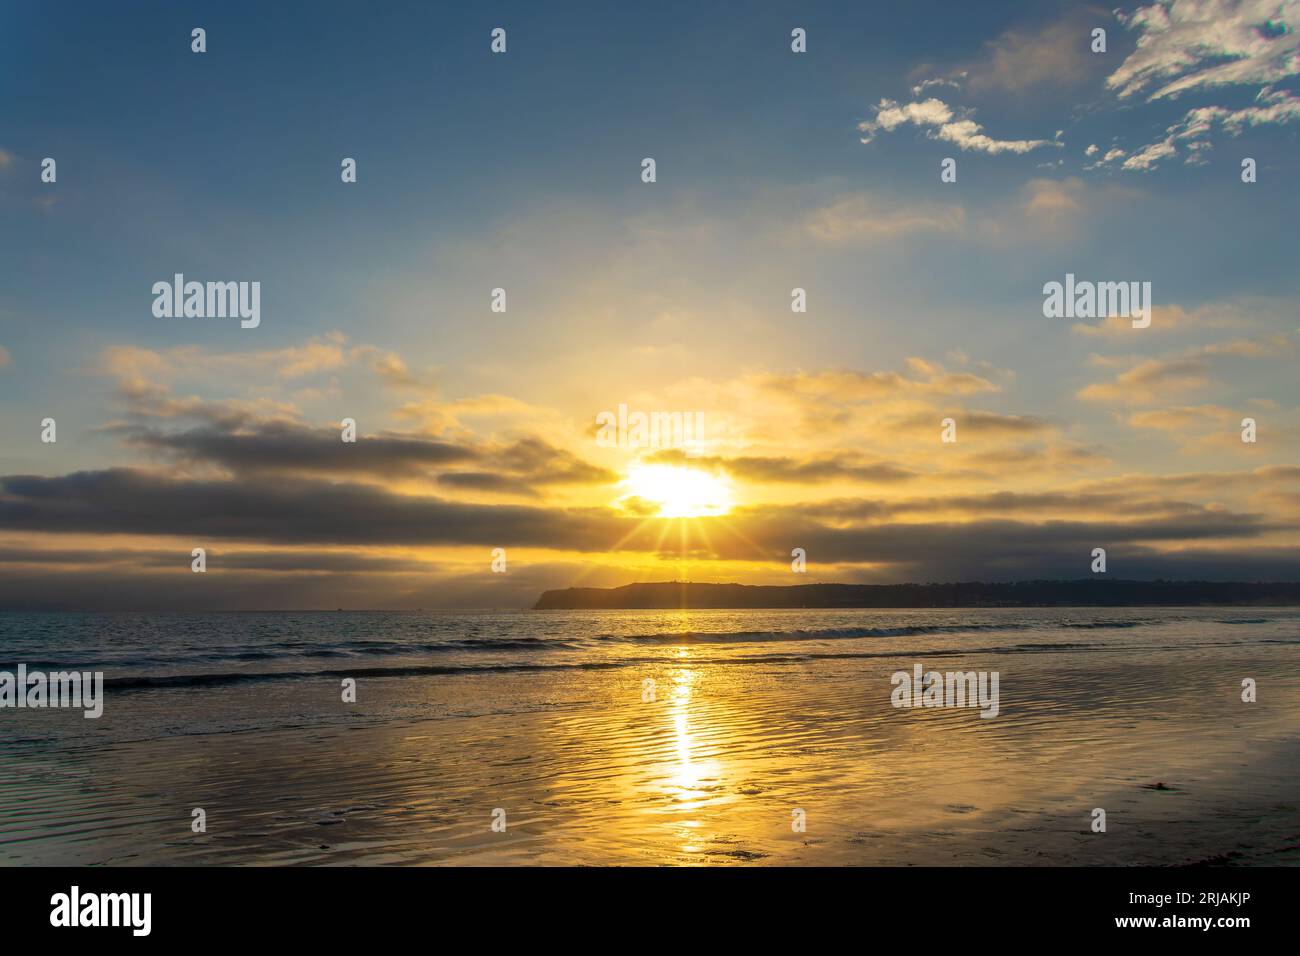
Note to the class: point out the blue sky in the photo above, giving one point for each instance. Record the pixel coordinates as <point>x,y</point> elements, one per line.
<point>522,171</point>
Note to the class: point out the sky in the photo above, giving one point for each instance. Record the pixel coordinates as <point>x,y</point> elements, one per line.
<point>774,170</point>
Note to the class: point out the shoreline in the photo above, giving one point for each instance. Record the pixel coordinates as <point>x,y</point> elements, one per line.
<point>709,772</point>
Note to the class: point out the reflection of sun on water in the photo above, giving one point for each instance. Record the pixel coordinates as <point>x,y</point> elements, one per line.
<point>686,777</point>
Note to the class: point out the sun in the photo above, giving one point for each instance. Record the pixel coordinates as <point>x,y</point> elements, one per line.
<point>679,492</point>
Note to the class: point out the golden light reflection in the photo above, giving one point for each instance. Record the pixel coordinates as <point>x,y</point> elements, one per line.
<point>690,771</point>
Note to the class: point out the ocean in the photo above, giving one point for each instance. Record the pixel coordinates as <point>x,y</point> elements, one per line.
<point>648,737</point>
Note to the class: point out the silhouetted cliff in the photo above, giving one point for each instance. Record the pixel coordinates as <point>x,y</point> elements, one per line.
<point>1087,592</point>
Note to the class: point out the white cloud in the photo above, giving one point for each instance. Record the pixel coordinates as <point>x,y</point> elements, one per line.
<point>889,115</point>
<point>1193,131</point>
<point>1205,44</point>
<point>954,82</point>
<point>1149,156</point>
<point>1200,45</point>
<point>941,122</point>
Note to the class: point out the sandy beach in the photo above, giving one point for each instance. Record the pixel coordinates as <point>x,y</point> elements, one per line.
<point>1142,719</point>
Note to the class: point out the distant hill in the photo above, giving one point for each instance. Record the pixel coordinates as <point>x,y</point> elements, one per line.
<point>1084,593</point>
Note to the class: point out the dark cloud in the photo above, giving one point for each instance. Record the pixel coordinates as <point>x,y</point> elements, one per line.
<point>518,467</point>
<point>221,589</point>
<point>981,424</point>
<point>919,543</point>
<point>295,510</point>
<point>282,446</point>
<point>274,580</point>
<point>1003,503</point>
<point>285,510</point>
<point>543,463</point>
<point>179,558</point>
<point>310,522</point>
<point>489,481</point>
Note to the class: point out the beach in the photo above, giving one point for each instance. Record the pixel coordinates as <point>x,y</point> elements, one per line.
<point>765,738</point>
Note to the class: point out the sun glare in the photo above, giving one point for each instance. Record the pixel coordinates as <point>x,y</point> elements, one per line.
<point>679,492</point>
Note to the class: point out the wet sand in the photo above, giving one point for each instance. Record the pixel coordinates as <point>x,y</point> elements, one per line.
<point>710,772</point>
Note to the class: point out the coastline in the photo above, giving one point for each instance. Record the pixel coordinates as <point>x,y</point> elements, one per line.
<point>1141,717</point>
<point>1092,592</point>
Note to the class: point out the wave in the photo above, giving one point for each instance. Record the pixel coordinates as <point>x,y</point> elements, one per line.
<point>854,633</point>
<point>202,680</point>
<point>167,681</point>
<point>303,650</point>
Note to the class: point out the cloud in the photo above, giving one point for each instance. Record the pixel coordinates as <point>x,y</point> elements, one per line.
<point>255,449</point>
<point>1053,199</point>
<point>863,217</point>
<point>952,82</point>
<point>289,499</point>
<point>5,358</point>
<point>941,122</point>
<point>288,510</point>
<point>1011,504</point>
<point>439,416</point>
<point>159,579</point>
<point>993,548</point>
<point>543,463</point>
<point>107,587</point>
<point>1150,156</point>
<point>526,466</point>
<point>1150,380</point>
<point>813,470</point>
<point>984,424</point>
<point>144,368</point>
<point>1154,379</point>
<point>1272,346</point>
<point>1186,45</point>
<point>279,560</point>
<point>1236,314</point>
<point>1192,133</point>
<point>930,112</point>
<point>1189,46</point>
<point>1053,57</point>
<point>1169,318</point>
<point>847,385</point>
<point>1025,60</point>
<point>294,448</point>
<point>1183,420</point>
<point>293,513</point>
<point>1051,458</point>
<point>1274,107</point>
<point>391,368</point>
<point>969,135</point>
